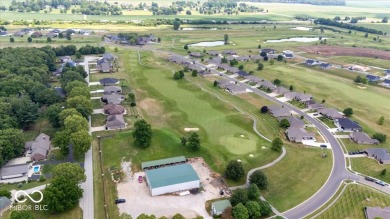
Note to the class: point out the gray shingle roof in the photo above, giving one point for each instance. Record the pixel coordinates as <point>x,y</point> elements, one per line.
<point>294,122</point>
<point>14,169</point>
<point>346,123</point>
<point>4,202</point>
<point>377,212</point>
<point>361,137</point>
<point>108,81</point>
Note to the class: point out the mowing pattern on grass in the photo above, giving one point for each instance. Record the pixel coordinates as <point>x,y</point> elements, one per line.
<point>371,167</point>
<point>238,145</point>
<point>297,177</point>
<point>353,201</point>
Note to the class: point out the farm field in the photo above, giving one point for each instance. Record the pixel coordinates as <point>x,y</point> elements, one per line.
<point>353,201</point>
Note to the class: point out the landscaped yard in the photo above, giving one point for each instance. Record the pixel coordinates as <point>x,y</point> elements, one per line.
<point>297,177</point>
<point>352,202</point>
<point>98,120</point>
<point>371,167</point>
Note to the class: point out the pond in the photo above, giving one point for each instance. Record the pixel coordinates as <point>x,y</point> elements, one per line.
<point>208,44</point>
<point>301,28</point>
<point>296,39</point>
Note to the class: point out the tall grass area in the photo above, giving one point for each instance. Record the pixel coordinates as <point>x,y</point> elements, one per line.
<point>371,167</point>
<point>297,177</point>
<point>352,202</point>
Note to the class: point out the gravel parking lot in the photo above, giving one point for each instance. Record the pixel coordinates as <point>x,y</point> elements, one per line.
<point>139,200</point>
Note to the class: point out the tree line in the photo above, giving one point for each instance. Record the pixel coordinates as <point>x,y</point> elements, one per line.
<point>311,2</point>
<point>330,22</point>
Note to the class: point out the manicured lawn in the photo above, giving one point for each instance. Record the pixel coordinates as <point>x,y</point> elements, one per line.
<point>98,120</point>
<point>327,122</point>
<point>56,154</point>
<point>297,177</point>
<point>24,186</point>
<point>352,202</point>
<point>41,125</point>
<point>371,167</point>
<point>97,104</point>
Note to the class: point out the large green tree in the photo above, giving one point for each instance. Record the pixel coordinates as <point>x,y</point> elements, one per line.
<point>239,196</point>
<point>82,104</point>
<point>277,143</point>
<point>194,142</point>
<point>75,123</point>
<point>234,170</point>
<point>52,114</point>
<point>64,191</point>
<point>253,192</point>
<point>240,212</point>
<point>81,142</point>
<point>254,210</point>
<point>142,134</point>
<point>79,91</point>
<point>260,179</point>
<point>21,215</point>
<point>11,144</point>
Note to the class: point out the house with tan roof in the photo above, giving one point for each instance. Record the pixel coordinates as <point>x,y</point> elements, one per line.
<point>113,109</point>
<point>38,149</point>
<point>277,111</point>
<point>295,134</point>
<point>330,113</point>
<point>115,122</point>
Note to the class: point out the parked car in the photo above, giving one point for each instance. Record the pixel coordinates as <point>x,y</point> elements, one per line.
<point>140,179</point>
<point>323,145</point>
<point>380,183</point>
<point>369,179</point>
<point>121,200</point>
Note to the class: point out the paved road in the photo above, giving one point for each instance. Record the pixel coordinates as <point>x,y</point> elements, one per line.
<point>87,201</point>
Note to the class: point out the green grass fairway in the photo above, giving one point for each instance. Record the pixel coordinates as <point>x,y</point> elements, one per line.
<point>238,145</point>
<point>370,167</point>
<point>297,177</point>
<point>353,201</point>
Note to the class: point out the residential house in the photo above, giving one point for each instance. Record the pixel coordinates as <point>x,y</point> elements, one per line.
<point>280,90</point>
<point>36,34</point>
<point>291,95</point>
<point>362,138</point>
<point>235,89</point>
<point>14,171</point>
<point>268,51</point>
<point>115,122</point>
<point>195,67</point>
<point>26,30</point>
<point>229,52</point>
<point>288,54</point>
<point>109,57</point>
<point>108,81</point>
<point>315,106</point>
<point>347,125</point>
<point>176,59</point>
<point>222,83</point>
<point>112,98</point>
<point>196,54</point>
<point>51,35</point>
<point>146,39</point>
<point>277,111</point>
<point>19,34</point>
<point>267,85</point>
<point>311,62</point>
<point>204,73</point>
<point>243,58</point>
<point>325,66</point>
<point>212,53</point>
<point>38,149</point>
<point>242,73</point>
<point>294,122</point>
<point>386,83</point>
<point>387,72</point>
<point>5,204</point>
<point>256,57</point>
<point>216,60</point>
<point>218,207</point>
<point>253,79</point>
<point>113,109</point>
<point>372,78</point>
<point>112,90</point>
<point>65,59</point>
<point>379,154</point>
<point>295,134</point>
<point>302,97</point>
<point>103,65</point>
<point>330,113</point>
<point>3,33</point>
<point>377,212</point>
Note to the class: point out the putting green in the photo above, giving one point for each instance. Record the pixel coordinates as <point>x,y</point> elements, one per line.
<point>238,145</point>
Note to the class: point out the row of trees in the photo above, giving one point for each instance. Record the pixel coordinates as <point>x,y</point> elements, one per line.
<point>330,22</point>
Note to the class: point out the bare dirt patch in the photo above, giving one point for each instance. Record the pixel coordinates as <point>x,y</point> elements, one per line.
<point>258,102</point>
<point>346,51</point>
<point>153,108</point>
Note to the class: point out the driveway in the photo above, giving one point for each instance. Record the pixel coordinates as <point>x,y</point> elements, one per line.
<point>98,128</point>
<point>94,83</point>
<point>98,111</point>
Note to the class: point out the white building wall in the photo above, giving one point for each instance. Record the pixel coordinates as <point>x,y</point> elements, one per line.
<point>175,188</point>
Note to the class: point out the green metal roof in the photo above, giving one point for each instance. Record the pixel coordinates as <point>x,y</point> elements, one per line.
<point>221,205</point>
<point>171,175</point>
<point>154,163</point>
